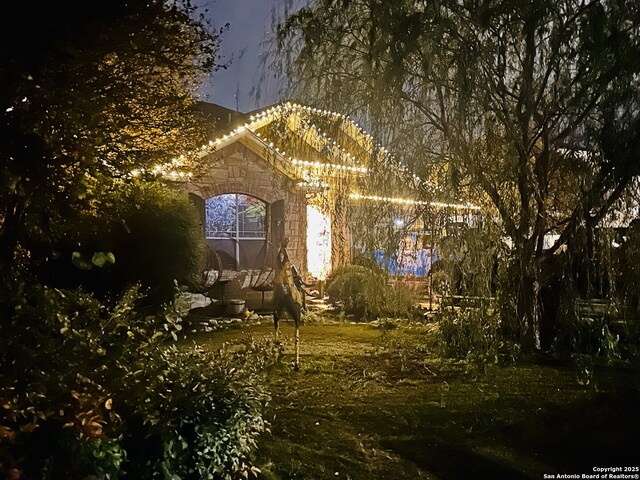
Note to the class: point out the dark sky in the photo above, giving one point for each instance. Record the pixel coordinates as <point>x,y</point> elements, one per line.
<point>250,23</point>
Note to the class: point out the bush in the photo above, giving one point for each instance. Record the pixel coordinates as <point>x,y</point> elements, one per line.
<point>151,236</point>
<point>97,389</point>
<point>347,286</point>
<point>366,293</point>
<point>159,241</point>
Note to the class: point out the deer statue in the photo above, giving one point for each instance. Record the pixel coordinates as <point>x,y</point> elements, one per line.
<point>288,296</point>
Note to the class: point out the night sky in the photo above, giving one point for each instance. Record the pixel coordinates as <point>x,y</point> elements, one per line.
<point>250,24</point>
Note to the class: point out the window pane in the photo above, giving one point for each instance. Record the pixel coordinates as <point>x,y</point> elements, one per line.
<point>226,254</point>
<point>251,217</point>
<point>252,252</point>
<point>220,214</point>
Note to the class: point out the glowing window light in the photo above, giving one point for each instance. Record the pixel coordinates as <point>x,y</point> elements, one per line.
<point>318,243</point>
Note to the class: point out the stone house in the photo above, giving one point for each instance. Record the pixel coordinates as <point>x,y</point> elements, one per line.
<point>287,171</point>
<point>275,174</point>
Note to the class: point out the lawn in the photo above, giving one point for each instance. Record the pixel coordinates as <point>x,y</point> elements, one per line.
<point>381,403</point>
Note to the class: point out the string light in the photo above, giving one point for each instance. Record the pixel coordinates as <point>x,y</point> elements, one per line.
<point>316,183</point>
<point>324,143</point>
<point>262,119</point>
<point>326,166</point>
<point>410,201</point>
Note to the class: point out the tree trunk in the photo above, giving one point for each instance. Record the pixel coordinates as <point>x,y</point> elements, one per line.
<point>528,301</point>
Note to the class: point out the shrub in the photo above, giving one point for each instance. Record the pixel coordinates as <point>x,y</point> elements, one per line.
<point>347,285</point>
<point>159,240</point>
<point>97,389</point>
<point>151,236</point>
<point>197,413</point>
<point>367,294</point>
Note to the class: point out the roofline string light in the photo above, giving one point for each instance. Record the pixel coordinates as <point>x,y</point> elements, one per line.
<point>326,144</point>
<point>325,166</point>
<point>257,121</point>
<point>410,201</point>
<point>261,119</point>
<point>348,126</point>
<point>174,168</point>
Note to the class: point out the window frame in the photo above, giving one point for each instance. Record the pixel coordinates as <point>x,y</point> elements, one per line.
<point>236,235</point>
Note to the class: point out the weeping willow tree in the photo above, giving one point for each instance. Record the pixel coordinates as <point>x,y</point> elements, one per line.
<point>530,108</point>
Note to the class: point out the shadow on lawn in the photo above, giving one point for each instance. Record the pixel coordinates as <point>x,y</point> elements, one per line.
<point>571,438</point>
<point>579,436</point>
<point>448,462</point>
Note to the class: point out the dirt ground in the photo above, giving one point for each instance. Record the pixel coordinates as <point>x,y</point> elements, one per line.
<point>376,403</point>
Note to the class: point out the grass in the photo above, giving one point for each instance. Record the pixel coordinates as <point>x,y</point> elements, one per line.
<point>381,403</point>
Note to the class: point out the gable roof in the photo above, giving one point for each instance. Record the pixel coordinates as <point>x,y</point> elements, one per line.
<point>222,118</point>
<point>312,146</point>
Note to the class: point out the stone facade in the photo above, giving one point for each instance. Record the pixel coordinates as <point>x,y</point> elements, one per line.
<point>237,168</point>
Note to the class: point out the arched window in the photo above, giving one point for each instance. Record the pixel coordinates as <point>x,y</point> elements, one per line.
<point>235,225</point>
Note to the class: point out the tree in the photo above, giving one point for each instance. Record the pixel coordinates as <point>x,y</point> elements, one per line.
<point>92,99</point>
<point>533,106</point>
<point>95,99</point>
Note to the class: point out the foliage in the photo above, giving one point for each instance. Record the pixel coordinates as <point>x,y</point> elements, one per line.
<point>151,236</point>
<point>201,412</point>
<point>95,389</point>
<point>93,102</point>
<point>528,108</point>
<point>478,287</point>
<point>629,273</point>
<point>586,328</point>
<point>158,240</point>
<point>475,334</point>
<point>367,294</point>
<point>347,285</point>
<point>400,301</point>
<point>96,97</point>
<point>369,263</point>
<point>470,259</point>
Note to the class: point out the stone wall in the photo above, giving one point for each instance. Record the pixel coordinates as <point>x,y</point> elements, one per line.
<point>238,169</point>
